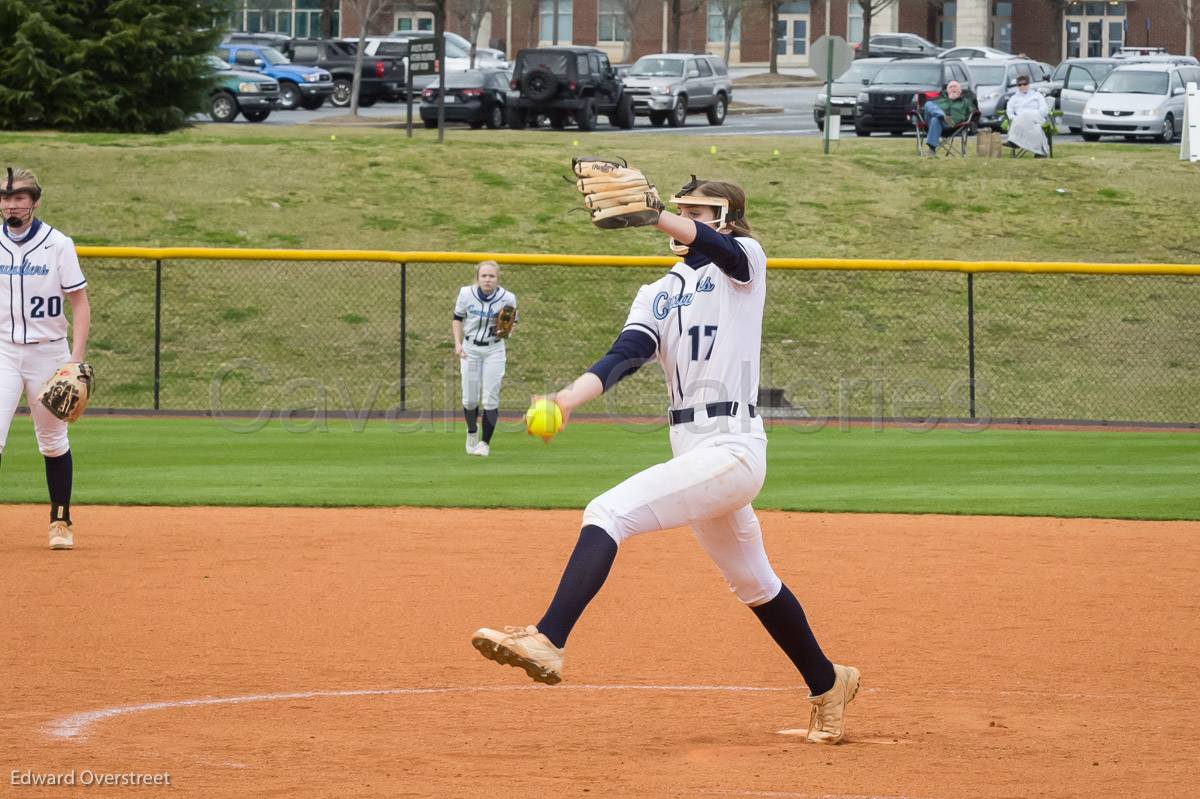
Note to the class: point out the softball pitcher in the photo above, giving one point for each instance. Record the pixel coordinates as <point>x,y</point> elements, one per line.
<point>38,269</point>
<point>484,316</point>
<point>702,322</point>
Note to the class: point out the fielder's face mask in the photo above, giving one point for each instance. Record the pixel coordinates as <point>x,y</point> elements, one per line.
<point>14,217</point>
<point>688,196</point>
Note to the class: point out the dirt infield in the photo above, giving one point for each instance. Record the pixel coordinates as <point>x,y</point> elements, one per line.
<point>1001,657</point>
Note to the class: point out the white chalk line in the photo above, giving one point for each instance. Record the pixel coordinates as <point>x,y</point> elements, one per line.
<point>75,726</point>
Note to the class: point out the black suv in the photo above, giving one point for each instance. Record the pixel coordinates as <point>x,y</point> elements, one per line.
<point>886,102</point>
<point>565,83</point>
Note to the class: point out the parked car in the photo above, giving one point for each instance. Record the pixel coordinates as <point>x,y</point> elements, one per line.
<point>972,52</point>
<point>1080,78</point>
<point>382,76</point>
<point>846,89</point>
<point>668,86</point>
<point>995,80</point>
<point>299,86</point>
<point>457,59</point>
<point>460,47</point>
<point>1139,100</point>
<point>885,103</point>
<point>904,45</point>
<point>478,97</point>
<point>235,91</point>
<point>567,83</point>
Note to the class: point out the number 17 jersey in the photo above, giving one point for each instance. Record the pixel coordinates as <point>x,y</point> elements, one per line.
<point>708,329</point>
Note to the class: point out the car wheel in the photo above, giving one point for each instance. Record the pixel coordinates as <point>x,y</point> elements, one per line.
<point>289,95</point>
<point>1091,136</point>
<point>716,114</point>
<point>257,115</point>
<point>367,102</point>
<point>558,119</point>
<point>312,103</point>
<point>539,85</point>
<point>1168,130</point>
<point>623,117</point>
<point>495,117</point>
<point>341,92</point>
<point>223,107</point>
<point>657,118</point>
<point>516,118</point>
<point>678,114</point>
<point>585,116</point>
<point>430,123</point>
<point>859,131</point>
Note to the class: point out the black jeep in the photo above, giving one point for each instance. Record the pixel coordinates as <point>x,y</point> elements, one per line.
<point>565,83</point>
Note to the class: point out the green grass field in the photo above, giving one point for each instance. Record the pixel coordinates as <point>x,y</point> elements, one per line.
<point>1007,472</point>
<point>1047,346</point>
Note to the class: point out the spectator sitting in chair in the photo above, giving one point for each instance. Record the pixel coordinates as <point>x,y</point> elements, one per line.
<point>948,110</point>
<point>1027,112</point>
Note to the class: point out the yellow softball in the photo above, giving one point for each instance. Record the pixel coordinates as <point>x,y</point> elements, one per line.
<point>543,419</point>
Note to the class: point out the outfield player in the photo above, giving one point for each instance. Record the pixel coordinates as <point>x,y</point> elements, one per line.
<point>38,271</point>
<point>482,355</point>
<point>702,322</point>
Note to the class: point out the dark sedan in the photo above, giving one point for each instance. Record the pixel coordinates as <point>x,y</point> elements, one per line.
<point>476,96</point>
<point>846,89</point>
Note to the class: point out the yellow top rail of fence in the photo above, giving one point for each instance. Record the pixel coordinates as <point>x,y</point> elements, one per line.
<point>551,259</point>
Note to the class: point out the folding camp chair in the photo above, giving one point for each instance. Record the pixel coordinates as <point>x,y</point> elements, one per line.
<point>954,137</point>
<point>1049,127</point>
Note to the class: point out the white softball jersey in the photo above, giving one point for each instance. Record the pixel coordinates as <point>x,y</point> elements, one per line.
<point>478,312</point>
<point>35,273</point>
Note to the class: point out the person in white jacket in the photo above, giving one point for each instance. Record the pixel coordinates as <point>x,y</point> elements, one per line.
<point>1027,111</point>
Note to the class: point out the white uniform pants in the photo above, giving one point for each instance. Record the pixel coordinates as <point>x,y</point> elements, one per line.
<point>482,371</point>
<point>708,485</point>
<point>27,367</point>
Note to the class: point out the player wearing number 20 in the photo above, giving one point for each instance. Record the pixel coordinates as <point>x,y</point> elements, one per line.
<point>38,269</point>
<point>702,322</point>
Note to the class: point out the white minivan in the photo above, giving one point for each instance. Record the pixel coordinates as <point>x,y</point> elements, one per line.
<point>1139,100</point>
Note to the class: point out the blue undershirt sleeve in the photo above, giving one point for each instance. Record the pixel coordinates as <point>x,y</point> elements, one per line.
<point>628,353</point>
<point>722,250</point>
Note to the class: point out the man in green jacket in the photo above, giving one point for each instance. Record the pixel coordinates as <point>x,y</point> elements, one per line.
<point>949,109</point>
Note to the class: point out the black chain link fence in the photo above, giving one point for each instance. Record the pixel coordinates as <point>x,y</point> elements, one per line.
<point>356,338</point>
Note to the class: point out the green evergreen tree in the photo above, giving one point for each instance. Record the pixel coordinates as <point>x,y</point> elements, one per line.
<point>123,65</point>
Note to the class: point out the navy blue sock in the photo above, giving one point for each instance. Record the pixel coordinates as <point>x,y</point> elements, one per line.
<point>471,414</point>
<point>490,417</point>
<point>785,621</point>
<point>58,480</point>
<point>586,571</point>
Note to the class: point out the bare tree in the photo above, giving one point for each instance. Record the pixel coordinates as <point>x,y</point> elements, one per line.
<point>328,7</point>
<point>629,11</point>
<point>473,13</point>
<point>1059,6</point>
<point>730,11</point>
<point>679,9</point>
<point>1189,20</point>
<point>869,9</point>
<point>773,7</point>
<point>367,11</point>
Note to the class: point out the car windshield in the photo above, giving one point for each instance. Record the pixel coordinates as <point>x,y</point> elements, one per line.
<point>910,74</point>
<point>456,50</point>
<point>987,75</point>
<point>1135,83</point>
<point>1100,71</point>
<point>555,62</point>
<point>273,56</point>
<point>657,68</point>
<point>862,70</point>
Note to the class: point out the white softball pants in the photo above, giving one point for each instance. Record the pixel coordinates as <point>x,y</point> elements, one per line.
<point>482,371</point>
<point>27,367</point>
<point>708,486</point>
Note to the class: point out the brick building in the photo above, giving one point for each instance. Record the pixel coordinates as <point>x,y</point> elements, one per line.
<point>1048,30</point>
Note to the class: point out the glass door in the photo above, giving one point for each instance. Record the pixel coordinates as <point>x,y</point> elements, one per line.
<point>791,33</point>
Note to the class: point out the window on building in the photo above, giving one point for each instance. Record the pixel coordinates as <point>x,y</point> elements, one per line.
<point>947,23</point>
<point>610,22</point>
<point>413,21</point>
<point>301,18</point>
<point>1093,29</point>
<point>1002,26</point>
<point>716,25</point>
<point>854,23</point>
<point>546,15</point>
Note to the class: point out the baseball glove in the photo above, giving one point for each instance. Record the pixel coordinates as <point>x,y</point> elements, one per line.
<point>616,194</point>
<point>505,321</point>
<point>67,392</point>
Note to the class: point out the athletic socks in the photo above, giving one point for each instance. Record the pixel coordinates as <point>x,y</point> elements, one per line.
<point>58,480</point>
<point>471,415</point>
<point>490,417</point>
<point>586,571</point>
<point>785,621</point>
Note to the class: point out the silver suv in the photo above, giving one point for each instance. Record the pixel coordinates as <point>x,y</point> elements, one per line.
<point>668,86</point>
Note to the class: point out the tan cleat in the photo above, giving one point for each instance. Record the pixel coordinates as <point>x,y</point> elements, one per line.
<point>523,647</point>
<point>827,722</point>
<point>60,536</point>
